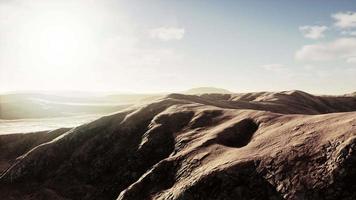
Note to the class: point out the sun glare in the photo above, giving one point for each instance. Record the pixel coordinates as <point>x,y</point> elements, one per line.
<point>54,43</point>
<point>67,45</point>
<point>60,44</point>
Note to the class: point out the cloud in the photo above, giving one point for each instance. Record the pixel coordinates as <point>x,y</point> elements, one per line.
<point>313,32</point>
<point>351,60</point>
<point>167,33</point>
<point>274,67</point>
<point>309,67</point>
<point>351,33</point>
<point>342,48</point>
<point>345,19</point>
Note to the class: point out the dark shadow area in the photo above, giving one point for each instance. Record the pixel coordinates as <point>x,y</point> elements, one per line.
<point>238,135</point>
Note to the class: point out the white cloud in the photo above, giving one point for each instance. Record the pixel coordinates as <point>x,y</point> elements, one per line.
<point>167,33</point>
<point>351,60</point>
<point>351,33</point>
<point>313,32</point>
<point>345,19</point>
<point>309,67</point>
<point>274,67</point>
<point>342,48</point>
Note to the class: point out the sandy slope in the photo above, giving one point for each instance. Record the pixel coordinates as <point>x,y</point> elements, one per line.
<point>286,145</point>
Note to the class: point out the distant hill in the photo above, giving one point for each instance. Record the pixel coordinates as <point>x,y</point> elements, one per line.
<point>204,90</point>
<point>35,105</point>
<point>351,94</point>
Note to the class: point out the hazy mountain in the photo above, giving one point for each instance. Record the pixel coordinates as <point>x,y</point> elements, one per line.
<point>40,105</point>
<point>50,104</point>
<point>206,90</point>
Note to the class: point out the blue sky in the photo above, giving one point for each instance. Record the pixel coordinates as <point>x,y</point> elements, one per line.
<point>156,46</point>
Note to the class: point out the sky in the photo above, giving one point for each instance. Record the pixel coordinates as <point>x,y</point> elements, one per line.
<point>168,46</point>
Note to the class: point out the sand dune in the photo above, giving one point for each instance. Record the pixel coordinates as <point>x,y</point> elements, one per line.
<point>281,145</point>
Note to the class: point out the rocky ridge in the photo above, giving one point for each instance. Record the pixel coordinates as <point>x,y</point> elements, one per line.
<point>282,145</point>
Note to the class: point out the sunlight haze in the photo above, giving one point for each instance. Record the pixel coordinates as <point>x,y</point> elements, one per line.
<point>140,46</point>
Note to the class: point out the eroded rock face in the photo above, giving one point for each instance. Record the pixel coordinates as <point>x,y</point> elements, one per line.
<point>193,147</point>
